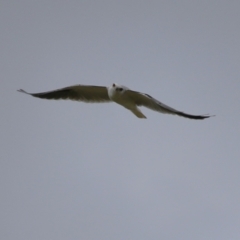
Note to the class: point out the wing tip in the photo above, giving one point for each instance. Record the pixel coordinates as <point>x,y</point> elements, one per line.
<point>207,116</point>
<point>21,90</point>
<point>197,117</point>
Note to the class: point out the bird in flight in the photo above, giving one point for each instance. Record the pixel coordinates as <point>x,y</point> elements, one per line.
<point>119,94</point>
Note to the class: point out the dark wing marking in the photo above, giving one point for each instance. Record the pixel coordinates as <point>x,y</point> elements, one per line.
<point>142,99</point>
<point>78,93</point>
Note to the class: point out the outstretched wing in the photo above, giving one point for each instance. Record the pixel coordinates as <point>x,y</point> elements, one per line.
<point>142,99</point>
<point>78,93</point>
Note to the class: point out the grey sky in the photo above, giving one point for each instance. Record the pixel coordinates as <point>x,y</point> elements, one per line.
<point>72,170</point>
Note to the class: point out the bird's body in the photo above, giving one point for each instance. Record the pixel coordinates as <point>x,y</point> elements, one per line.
<point>115,93</point>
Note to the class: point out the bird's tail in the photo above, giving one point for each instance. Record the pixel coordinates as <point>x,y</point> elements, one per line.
<point>136,111</point>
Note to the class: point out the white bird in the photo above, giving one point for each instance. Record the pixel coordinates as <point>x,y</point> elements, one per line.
<point>115,93</point>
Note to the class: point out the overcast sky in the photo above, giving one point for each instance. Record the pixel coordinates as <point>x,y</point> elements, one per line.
<point>73,170</point>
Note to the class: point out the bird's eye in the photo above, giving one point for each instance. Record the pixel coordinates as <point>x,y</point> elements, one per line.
<point>114,85</point>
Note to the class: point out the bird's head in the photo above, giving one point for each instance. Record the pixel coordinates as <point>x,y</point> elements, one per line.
<point>116,90</point>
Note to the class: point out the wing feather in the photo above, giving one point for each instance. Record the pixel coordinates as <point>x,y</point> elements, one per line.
<point>77,93</point>
<point>142,99</point>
